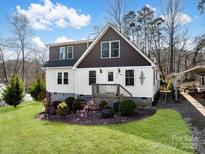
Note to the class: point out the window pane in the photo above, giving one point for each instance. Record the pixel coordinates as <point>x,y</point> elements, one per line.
<point>105,50</point>
<point>92,81</point>
<point>65,80</point>
<point>114,49</point>
<point>129,81</point>
<point>129,73</point>
<point>110,76</point>
<point>69,52</point>
<point>92,73</point>
<point>59,80</point>
<point>129,77</point>
<point>92,77</point>
<point>62,53</point>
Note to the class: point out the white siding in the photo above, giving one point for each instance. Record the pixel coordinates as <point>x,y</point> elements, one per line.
<point>138,90</point>
<point>79,80</point>
<point>51,80</point>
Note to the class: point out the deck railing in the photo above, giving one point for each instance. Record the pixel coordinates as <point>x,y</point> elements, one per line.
<point>109,90</point>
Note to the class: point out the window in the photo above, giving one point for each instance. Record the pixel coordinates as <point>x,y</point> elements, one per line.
<point>105,49</point>
<point>110,49</point>
<point>129,77</point>
<point>65,78</point>
<point>92,77</point>
<point>62,53</point>
<point>59,79</point>
<point>110,76</point>
<point>115,49</point>
<point>69,52</point>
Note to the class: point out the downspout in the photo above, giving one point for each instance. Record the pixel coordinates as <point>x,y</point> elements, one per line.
<point>75,82</point>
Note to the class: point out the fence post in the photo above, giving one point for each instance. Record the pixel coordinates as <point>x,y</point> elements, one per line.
<point>118,90</point>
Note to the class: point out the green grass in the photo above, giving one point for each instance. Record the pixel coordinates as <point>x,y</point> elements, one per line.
<point>21,133</point>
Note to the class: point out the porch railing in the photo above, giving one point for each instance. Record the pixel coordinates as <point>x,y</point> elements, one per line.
<point>109,90</point>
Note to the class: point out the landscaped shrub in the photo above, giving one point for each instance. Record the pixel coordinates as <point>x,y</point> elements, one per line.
<point>37,89</point>
<point>56,103</point>
<point>69,101</point>
<point>107,113</point>
<point>76,105</point>
<point>126,108</point>
<point>13,94</point>
<point>62,109</point>
<point>102,104</point>
<point>116,107</point>
<point>107,107</point>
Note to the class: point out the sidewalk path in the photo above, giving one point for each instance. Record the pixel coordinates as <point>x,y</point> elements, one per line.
<point>195,103</point>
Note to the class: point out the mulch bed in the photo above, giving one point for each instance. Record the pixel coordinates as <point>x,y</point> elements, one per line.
<point>94,117</point>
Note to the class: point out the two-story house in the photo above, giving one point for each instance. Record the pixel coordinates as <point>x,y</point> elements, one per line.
<point>109,65</point>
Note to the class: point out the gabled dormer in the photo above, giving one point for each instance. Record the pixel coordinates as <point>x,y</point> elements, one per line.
<point>112,49</point>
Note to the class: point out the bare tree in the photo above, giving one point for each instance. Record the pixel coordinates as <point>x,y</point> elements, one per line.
<point>2,59</point>
<point>22,31</point>
<point>116,10</point>
<point>200,44</point>
<point>173,7</point>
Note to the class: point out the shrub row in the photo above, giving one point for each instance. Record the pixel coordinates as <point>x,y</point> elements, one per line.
<point>125,108</point>
<point>69,104</point>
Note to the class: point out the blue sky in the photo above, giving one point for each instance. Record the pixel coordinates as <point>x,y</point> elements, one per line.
<point>88,12</point>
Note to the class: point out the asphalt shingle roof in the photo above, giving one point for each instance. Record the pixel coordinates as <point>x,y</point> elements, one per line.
<point>60,63</point>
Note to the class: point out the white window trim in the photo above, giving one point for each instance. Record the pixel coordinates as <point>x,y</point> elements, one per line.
<point>108,77</point>
<point>130,78</point>
<point>89,76</point>
<point>60,53</point>
<point>63,78</point>
<point>109,49</point>
<point>67,52</point>
<point>62,83</point>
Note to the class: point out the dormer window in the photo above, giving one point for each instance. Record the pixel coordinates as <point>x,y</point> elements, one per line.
<point>62,53</point>
<point>110,49</point>
<point>69,52</point>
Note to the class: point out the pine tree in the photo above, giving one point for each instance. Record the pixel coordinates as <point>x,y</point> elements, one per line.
<point>13,94</point>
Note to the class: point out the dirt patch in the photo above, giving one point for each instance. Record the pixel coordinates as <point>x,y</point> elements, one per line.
<point>94,117</point>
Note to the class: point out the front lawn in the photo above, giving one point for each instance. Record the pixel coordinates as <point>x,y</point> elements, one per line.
<point>164,132</point>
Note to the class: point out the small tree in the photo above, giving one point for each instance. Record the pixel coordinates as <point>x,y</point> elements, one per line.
<point>13,94</point>
<point>38,89</point>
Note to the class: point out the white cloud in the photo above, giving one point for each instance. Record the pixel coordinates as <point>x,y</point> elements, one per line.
<point>62,39</point>
<point>48,15</point>
<point>183,18</point>
<point>152,8</point>
<point>36,41</point>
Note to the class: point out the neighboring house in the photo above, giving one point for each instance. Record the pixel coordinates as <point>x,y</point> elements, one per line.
<point>108,66</point>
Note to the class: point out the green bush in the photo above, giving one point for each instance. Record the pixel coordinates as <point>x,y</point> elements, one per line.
<point>116,107</point>
<point>69,101</point>
<point>102,104</point>
<point>37,89</point>
<point>56,103</point>
<point>107,107</point>
<point>107,113</point>
<point>76,105</point>
<point>13,94</point>
<point>62,109</point>
<point>126,108</point>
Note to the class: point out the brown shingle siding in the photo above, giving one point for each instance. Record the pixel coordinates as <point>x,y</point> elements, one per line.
<point>128,55</point>
<point>78,50</point>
